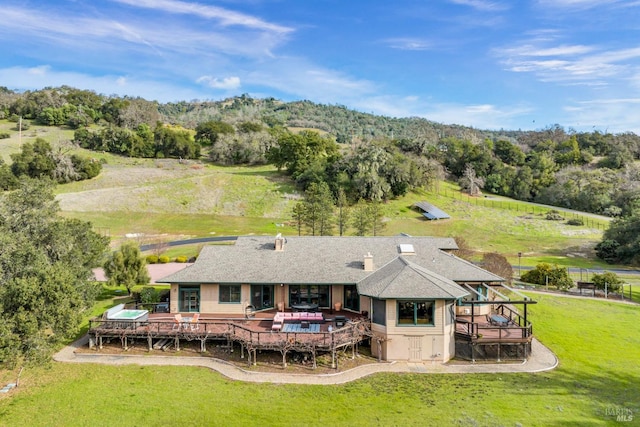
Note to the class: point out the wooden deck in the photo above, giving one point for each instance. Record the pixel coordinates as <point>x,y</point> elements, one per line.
<point>254,333</point>
<point>480,329</point>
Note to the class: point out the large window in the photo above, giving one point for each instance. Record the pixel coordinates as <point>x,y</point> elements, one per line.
<point>351,298</point>
<point>189,299</point>
<point>419,313</point>
<point>311,294</point>
<point>229,293</point>
<point>379,315</point>
<point>262,296</point>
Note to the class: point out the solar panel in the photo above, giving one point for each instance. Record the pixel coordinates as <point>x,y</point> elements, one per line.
<point>431,212</point>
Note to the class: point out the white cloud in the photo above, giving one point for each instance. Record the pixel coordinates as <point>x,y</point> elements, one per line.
<point>40,70</point>
<point>581,4</point>
<point>608,114</point>
<point>225,16</point>
<point>303,79</point>
<point>13,78</point>
<point>482,116</point>
<point>226,83</point>
<point>127,33</point>
<point>569,64</point>
<point>483,5</point>
<point>407,43</point>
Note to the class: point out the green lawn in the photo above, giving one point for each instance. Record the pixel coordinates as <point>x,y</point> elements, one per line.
<point>598,344</point>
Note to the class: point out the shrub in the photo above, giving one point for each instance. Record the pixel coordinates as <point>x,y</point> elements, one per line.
<point>608,250</point>
<point>5,135</point>
<point>545,274</point>
<point>163,259</point>
<point>149,295</point>
<point>611,280</point>
<point>554,215</point>
<point>181,258</point>
<point>575,221</point>
<point>152,259</point>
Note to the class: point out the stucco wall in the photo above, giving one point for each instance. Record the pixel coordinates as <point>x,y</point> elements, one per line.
<point>416,343</point>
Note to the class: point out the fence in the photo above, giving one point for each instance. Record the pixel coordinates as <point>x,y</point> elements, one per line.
<point>524,207</point>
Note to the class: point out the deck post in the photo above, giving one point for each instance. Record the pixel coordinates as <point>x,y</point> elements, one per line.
<point>150,342</point>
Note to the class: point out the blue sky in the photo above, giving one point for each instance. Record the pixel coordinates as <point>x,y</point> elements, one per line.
<point>511,64</point>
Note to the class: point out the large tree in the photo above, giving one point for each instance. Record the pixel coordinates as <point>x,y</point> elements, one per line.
<point>46,281</point>
<point>126,267</point>
<point>318,209</point>
<point>621,241</point>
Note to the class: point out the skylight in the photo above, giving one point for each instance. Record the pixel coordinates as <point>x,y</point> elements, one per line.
<point>407,249</point>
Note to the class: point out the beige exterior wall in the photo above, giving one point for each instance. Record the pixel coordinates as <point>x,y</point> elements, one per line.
<point>365,304</point>
<point>478,310</point>
<point>379,331</point>
<point>418,343</point>
<point>209,300</point>
<point>337,295</point>
<point>173,299</point>
<point>449,342</point>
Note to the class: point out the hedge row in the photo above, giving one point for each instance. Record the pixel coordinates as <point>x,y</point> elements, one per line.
<point>163,259</point>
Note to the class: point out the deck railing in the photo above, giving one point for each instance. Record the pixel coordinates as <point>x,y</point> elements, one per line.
<point>516,327</point>
<point>231,329</point>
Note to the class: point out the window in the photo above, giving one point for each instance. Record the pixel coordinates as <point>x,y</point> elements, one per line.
<point>351,298</point>
<point>229,293</point>
<point>262,296</point>
<point>312,294</point>
<point>189,299</point>
<point>418,313</point>
<point>379,315</point>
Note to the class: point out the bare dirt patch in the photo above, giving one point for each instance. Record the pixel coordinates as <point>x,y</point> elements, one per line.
<point>267,361</point>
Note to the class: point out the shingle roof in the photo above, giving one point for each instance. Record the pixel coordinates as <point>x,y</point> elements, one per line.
<point>401,278</point>
<point>321,260</point>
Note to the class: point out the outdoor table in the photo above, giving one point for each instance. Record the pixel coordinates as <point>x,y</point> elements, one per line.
<point>497,319</point>
<point>185,322</point>
<point>305,307</point>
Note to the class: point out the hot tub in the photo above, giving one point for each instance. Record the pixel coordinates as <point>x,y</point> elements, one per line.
<point>127,318</point>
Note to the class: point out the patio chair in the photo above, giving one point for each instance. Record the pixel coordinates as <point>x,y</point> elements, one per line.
<point>177,321</point>
<point>195,322</point>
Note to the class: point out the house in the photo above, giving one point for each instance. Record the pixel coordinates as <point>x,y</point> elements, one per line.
<point>423,302</point>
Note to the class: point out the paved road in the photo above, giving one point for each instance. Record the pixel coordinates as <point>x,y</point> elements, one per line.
<point>190,242</point>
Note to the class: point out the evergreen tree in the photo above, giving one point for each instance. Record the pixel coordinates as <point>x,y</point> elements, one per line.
<point>126,267</point>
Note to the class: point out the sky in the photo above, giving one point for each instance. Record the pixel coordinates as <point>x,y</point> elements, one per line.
<point>503,64</point>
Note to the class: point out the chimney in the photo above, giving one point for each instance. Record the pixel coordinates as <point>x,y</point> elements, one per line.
<point>280,242</point>
<point>368,262</point>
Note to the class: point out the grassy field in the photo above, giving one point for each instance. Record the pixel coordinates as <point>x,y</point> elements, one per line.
<point>179,200</point>
<point>597,342</point>
<point>170,199</point>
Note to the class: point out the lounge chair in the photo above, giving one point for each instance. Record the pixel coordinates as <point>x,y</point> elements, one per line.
<point>194,322</point>
<point>177,321</point>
